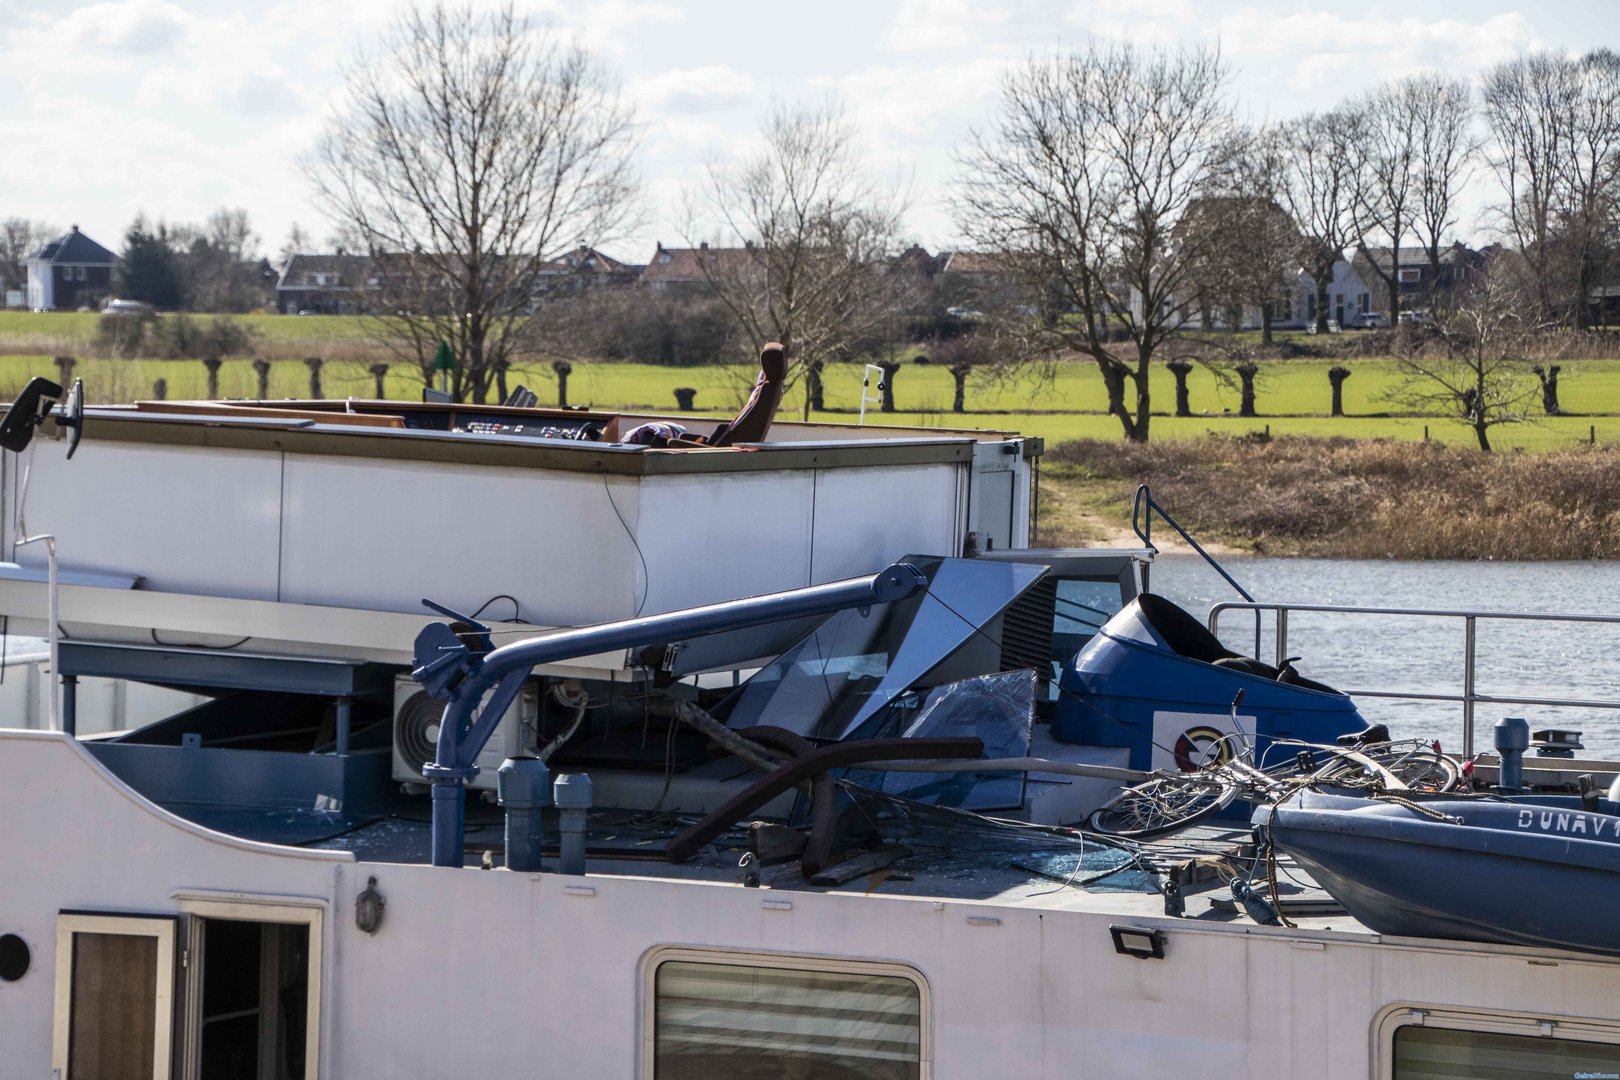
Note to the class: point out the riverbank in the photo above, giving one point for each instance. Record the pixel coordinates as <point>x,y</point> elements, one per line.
<point>1342,498</point>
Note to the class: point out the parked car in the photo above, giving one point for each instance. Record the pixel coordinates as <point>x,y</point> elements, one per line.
<point>1418,318</point>
<point>1373,320</point>
<point>126,307</point>
<point>1333,327</point>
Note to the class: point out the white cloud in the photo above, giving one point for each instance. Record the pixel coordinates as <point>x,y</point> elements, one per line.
<point>602,25</point>
<point>906,101</point>
<point>1320,48</point>
<point>941,24</point>
<point>130,27</point>
<point>712,88</point>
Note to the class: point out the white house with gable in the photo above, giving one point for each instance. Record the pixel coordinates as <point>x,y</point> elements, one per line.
<point>1349,299</point>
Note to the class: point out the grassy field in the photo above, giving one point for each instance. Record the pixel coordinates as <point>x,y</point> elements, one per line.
<point>81,326</point>
<point>1292,400</point>
<point>1293,395</point>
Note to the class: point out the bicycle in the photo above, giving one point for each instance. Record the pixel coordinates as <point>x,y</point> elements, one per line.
<point>1369,760</point>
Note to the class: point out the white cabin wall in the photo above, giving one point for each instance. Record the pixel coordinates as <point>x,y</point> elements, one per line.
<point>188,521</point>
<point>701,536</point>
<point>379,534</point>
<point>551,539</point>
<point>868,518</point>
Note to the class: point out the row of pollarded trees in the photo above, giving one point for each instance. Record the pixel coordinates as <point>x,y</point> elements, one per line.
<point>1115,187</point>
<point>1125,194</point>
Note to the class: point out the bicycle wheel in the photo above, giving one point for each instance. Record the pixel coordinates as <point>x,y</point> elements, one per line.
<point>1418,767</point>
<point>1163,805</point>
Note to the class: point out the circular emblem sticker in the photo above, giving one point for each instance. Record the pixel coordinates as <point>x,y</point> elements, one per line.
<point>1202,746</point>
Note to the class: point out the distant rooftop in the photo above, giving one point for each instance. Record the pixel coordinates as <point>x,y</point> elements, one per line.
<point>76,248</point>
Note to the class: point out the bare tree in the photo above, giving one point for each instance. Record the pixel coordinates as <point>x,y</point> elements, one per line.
<point>1385,149</point>
<point>297,243</point>
<point>1080,186</point>
<point>1320,186</point>
<point>20,238</point>
<point>984,353</point>
<point>1252,245</point>
<point>1482,377</point>
<point>1526,102</point>
<point>1555,147</point>
<point>1592,175</point>
<point>219,263</point>
<point>1442,111</point>
<point>466,150</point>
<point>806,242</point>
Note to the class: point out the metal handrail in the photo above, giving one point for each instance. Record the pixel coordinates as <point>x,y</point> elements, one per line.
<point>1470,695</point>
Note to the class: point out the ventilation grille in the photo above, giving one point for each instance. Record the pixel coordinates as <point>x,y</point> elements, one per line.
<point>416,729</point>
<point>1026,630</point>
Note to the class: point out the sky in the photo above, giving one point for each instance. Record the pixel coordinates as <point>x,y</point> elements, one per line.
<point>174,108</point>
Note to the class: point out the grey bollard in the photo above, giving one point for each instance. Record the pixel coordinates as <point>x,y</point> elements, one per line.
<point>572,795</point>
<point>523,786</point>
<point>1512,740</point>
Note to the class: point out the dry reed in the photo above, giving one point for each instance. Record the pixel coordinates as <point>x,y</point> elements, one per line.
<point>1371,498</point>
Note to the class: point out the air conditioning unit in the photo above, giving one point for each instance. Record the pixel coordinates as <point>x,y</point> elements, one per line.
<point>416,733</point>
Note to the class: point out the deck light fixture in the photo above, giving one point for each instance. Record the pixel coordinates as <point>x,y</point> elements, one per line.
<point>368,908</point>
<point>1142,944</point>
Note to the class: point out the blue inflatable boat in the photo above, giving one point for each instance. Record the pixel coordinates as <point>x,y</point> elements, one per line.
<point>1538,870</point>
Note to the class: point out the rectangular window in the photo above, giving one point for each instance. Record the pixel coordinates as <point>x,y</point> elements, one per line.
<point>1431,1053</point>
<point>1366,300</point>
<point>753,1017</point>
<point>78,273</point>
<point>1412,275</point>
<point>114,997</point>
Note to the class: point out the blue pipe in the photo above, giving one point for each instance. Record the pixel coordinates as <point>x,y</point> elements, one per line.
<point>462,734</point>
<point>1512,740</point>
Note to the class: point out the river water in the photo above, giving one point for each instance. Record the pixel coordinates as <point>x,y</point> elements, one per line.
<point>1426,655</point>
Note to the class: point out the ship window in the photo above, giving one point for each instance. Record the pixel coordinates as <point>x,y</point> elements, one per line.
<point>1422,1042</point>
<point>114,997</point>
<point>1427,1053</point>
<point>770,1017</point>
<point>253,989</point>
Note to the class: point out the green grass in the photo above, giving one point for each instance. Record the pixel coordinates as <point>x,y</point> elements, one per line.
<point>1068,403</point>
<point>276,336</point>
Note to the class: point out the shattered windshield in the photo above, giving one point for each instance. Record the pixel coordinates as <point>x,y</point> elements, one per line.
<point>845,671</point>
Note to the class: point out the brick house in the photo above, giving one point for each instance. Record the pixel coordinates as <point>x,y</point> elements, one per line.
<point>681,270</point>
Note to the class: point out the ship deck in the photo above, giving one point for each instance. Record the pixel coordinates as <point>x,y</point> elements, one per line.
<point>942,857</point>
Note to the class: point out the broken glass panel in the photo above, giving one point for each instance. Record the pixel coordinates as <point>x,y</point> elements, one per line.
<point>998,709</point>
<point>845,672</point>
